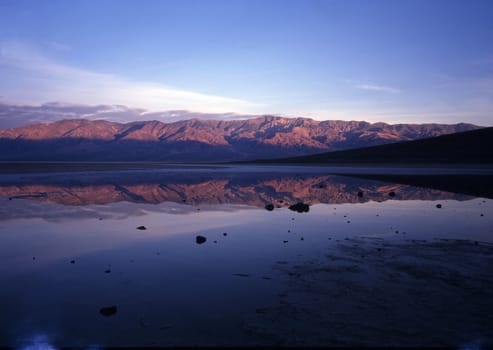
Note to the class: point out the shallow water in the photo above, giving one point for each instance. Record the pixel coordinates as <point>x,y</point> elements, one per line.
<point>69,247</point>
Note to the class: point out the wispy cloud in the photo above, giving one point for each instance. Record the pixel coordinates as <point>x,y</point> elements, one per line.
<point>378,88</point>
<point>43,79</point>
<point>57,46</point>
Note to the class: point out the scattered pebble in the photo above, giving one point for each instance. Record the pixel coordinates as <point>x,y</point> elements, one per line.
<point>141,228</point>
<point>200,239</point>
<point>392,194</point>
<point>438,206</point>
<point>108,311</point>
<point>269,207</point>
<point>285,241</point>
<point>300,207</point>
<point>107,271</point>
<point>241,274</point>
<point>360,194</point>
<point>225,234</point>
<point>72,261</point>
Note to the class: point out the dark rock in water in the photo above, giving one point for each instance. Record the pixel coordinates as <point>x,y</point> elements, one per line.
<point>269,207</point>
<point>285,241</point>
<point>34,258</point>
<point>302,239</point>
<point>392,194</point>
<point>200,239</point>
<point>72,261</point>
<point>10,198</point>
<point>360,194</point>
<point>481,214</point>
<point>107,271</point>
<point>108,311</point>
<point>141,228</point>
<point>438,206</point>
<point>215,241</point>
<point>225,234</point>
<point>300,207</point>
<point>241,274</point>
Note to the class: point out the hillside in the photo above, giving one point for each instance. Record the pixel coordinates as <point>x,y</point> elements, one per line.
<point>474,146</point>
<point>203,140</point>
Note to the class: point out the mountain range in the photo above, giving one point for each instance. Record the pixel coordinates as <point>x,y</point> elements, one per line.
<point>203,140</point>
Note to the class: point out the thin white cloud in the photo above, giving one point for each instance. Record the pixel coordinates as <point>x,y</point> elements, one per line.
<point>57,46</point>
<point>378,88</point>
<point>43,79</point>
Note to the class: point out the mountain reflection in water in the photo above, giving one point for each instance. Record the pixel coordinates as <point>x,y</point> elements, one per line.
<point>254,189</point>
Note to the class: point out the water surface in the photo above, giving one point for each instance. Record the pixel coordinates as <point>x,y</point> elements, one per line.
<point>69,246</point>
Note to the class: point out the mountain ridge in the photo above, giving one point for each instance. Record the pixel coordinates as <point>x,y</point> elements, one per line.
<point>208,140</point>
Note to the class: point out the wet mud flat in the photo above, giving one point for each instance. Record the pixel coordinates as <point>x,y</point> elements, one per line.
<point>370,291</point>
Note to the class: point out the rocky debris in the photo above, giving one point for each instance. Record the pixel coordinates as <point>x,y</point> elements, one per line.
<point>141,228</point>
<point>392,194</point>
<point>165,327</point>
<point>200,239</point>
<point>360,193</point>
<point>269,207</point>
<point>438,206</point>
<point>300,207</point>
<point>108,311</point>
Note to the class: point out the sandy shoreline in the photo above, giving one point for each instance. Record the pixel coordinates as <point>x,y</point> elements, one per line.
<point>378,292</point>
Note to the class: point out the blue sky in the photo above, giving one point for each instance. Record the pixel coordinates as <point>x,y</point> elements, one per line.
<point>393,61</point>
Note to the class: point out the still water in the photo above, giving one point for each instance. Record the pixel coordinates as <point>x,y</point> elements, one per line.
<point>76,270</point>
